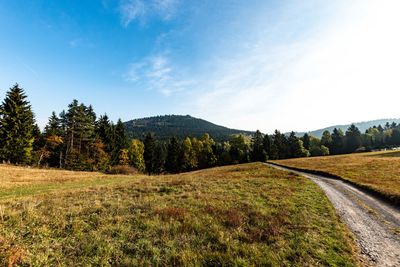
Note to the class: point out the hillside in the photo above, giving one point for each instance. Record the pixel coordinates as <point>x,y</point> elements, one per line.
<point>180,126</point>
<point>360,125</point>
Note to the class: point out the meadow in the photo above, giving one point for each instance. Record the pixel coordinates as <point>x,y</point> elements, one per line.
<point>241,215</point>
<point>375,171</point>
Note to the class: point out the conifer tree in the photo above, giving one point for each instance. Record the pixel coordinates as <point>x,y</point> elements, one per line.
<point>149,153</point>
<point>173,161</point>
<point>119,142</point>
<point>306,141</point>
<point>353,138</point>
<point>337,141</point>
<point>267,142</point>
<point>16,126</point>
<point>296,148</point>
<point>257,148</point>
<point>104,131</point>
<point>281,144</point>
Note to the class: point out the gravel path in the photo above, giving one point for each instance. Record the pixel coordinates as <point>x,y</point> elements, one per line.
<point>375,224</point>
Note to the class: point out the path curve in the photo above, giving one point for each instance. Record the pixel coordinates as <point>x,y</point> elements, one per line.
<point>375,224</point>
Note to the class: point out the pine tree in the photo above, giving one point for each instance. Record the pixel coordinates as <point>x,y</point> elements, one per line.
<point>296,148</point>
<point>306,141</point>
<point>353,139</point>
<point>104,132</point>
<point>119,142</point>
<point>257,148</point>
<point>16,126</point>
<point>173,161</point>
<point>337,141</point>
<point>267,142</point>
<point>281,144</point>
<point>149,153</point>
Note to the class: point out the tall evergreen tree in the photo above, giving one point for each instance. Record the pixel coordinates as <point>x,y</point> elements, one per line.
<point>119,142</point>
<point>267,144</point>
<point>173,162</point>
<point>353,139</point>
<point>281,144</point>
<point>104,132</point>
<point>16,126</point>
<point>296,148</point>
<point>149,153</point>
<point>257,148</point>
<point>306,141</point>
<point>53,127</point>
<point>337,141</point>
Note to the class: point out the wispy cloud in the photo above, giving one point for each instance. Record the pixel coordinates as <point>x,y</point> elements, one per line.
<point>348,64</point>
<point>156,73</point>
<point>141,10</point>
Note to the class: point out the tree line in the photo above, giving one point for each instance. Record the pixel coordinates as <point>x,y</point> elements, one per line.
<point>76,139</point>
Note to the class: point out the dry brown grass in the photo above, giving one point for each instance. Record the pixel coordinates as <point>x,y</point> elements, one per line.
<point>244,215</point>
<point>378,171</point>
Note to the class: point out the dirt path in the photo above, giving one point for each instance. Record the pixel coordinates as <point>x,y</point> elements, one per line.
<point>375,224</point>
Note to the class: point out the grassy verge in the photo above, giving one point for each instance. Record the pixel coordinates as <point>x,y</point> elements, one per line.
<point>244,215</point>
<point>378,172</point>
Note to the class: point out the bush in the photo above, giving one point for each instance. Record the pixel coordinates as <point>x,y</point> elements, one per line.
<point>122,169</point>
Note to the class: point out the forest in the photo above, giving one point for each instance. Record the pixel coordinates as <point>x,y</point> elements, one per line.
<point>78,139</point>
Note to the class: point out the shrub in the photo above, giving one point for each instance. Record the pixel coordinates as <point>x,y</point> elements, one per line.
<point>122,169</point>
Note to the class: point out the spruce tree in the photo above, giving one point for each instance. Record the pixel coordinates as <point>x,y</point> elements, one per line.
<point>104,132</point>
<point>267,143</point>
<point>149,153</point>
<point>173,160</point>
<point>16,126</point>
<point>257,148</point>
<point>119,142</point>
<point>337,141</point>
<point>306,141</point>
<point>353,139</point>
<point>296,148</point>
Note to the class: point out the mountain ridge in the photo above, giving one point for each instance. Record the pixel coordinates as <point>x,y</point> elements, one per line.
<point>362,126</point>
<point>180,126</point>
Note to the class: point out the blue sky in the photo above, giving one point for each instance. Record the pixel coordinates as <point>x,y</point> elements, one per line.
<point>257,64</point>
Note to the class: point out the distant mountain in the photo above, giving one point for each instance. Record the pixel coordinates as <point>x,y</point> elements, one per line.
<point>362,126</point>
<point>167,126</point>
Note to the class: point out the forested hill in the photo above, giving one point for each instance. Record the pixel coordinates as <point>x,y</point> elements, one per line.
<point>362,126</point>
<point>179,126</point>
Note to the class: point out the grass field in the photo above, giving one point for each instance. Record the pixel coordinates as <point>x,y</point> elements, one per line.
<point>243,215</point>
<point>377,171</point>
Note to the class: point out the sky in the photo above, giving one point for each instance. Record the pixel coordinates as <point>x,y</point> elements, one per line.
<point>256,64</point>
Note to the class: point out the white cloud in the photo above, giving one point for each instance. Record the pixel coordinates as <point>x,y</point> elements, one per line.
<point>346,71</point>
<point>141,10</point>
<point>156,73</point>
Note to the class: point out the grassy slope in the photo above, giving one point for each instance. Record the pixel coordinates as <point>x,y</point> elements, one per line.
<point>378,171</point>
<point>238,215</point>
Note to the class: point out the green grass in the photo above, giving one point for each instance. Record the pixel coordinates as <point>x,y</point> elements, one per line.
<point>243,215</point>
<point>376,171</point>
